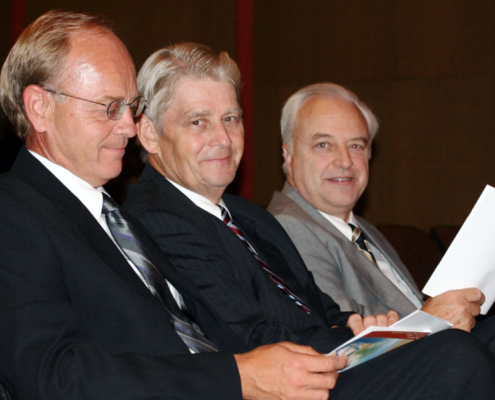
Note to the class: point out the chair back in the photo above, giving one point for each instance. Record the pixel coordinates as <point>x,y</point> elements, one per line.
<point>417,250</point>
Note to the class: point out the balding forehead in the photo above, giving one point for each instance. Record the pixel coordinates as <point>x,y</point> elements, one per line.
<point>321,106</point>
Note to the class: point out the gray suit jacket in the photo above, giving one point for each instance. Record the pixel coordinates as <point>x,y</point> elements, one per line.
<point>339,268</point>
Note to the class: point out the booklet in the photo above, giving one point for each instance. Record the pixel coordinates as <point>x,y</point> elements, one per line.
<point>470,259</point>
<point>375,340</point>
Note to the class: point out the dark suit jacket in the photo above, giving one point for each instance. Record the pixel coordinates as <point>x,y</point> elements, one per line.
<point>203,249</point>
<point>75,320</point>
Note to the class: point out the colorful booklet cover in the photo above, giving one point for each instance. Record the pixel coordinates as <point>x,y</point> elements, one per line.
<point>375,341</point>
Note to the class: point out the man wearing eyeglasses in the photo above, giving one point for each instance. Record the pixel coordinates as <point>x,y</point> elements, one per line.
<point>89,307</point>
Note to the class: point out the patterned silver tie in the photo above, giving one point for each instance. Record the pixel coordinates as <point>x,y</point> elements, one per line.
<point>124,235</point>
<point>359,239</point>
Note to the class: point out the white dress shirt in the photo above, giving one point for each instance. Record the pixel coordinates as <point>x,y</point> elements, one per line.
<point>387,269</point>
<point>201,201</point>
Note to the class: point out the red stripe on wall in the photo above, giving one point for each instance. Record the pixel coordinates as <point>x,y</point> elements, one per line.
<point>17,19</point>
<point>245,60</point>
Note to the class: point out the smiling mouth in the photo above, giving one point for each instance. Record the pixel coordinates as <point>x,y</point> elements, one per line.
<point>221,159</point>
<point>340,179</point>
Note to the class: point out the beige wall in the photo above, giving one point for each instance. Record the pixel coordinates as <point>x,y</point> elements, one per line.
<point>425,67</point>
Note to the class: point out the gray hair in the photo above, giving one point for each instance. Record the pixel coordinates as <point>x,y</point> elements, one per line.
<point>297,100</point>
<point>38,58</point>
<point>160,74</point>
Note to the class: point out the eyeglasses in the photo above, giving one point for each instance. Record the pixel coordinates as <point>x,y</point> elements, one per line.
<point>116,108</point>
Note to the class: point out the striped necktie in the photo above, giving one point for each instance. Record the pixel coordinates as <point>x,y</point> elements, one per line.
<point>359,239</point>
<point>124,236</point>
<point>227,220</point>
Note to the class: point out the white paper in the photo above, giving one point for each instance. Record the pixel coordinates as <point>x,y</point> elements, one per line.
<point>470,259</point>
<point>419,320</point>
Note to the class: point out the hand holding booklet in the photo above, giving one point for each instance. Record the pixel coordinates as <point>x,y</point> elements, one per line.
<point>376,340</point>
<point>469,262</point>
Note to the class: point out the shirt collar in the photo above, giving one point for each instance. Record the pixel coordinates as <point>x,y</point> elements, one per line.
<point>340,224</point>
<point>201,201</point>
<point>88,195</point>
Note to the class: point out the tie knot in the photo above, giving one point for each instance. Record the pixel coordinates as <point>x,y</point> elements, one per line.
<point>108,204</point>
<point>224,214</point>
<point>356,232</point>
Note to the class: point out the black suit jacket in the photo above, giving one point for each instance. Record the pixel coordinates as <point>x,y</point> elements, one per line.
<point>75,320</point>
<point>203,249</point>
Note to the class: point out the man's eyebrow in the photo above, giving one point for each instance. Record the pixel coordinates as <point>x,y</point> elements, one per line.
<point>108,99</point>
<point>236,110</point>
<point>361,138</point>
<point>196,114</point>
<point>320,135</point>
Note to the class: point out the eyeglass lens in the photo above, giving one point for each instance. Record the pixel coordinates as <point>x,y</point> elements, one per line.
<point>117,108</point>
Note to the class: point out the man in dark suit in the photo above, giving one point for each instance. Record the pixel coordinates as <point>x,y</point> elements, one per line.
<point>235,252</point>
<point>89,308</point>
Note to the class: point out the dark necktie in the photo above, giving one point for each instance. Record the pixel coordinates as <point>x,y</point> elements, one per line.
<point>126,239</point>
<point>359,239</point>
<point>273,276</point>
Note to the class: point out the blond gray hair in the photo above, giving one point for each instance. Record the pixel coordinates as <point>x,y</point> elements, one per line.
<point>38,58</point>
<point>160,74</point>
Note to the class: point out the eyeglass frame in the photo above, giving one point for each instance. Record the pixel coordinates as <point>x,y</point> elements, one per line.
<point>106,105</point>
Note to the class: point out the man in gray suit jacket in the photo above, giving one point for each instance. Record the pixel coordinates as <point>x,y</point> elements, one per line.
<point>327,133</point>
<point>338,267</point>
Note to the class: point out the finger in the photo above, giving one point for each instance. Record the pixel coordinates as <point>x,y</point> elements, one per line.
<point>370,320</point>
<point>354,319</point>
<point>474,309</point>
<point>355,322</point>
<point>381,320</point>
<point>326,381</point>
<point>325,364</point>
<point>473,295</point>
<point>393,317</point>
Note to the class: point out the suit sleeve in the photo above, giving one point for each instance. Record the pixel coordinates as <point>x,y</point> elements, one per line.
<point>237,297</point>
<point>45,350</point>
<point>322,262</point>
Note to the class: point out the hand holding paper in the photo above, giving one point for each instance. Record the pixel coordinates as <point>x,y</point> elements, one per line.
<point>470,259</point>
<point>459,307</point>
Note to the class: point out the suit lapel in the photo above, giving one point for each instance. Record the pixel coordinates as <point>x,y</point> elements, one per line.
<point>169,198</point>
<point>269,244</point>
<point>394,261</point>
<point>377,282</point>
<point>86,227</point>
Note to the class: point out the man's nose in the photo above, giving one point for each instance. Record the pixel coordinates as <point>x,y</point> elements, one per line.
<point>221,136</point>
<point>343,158</point>
<point>126,125</point>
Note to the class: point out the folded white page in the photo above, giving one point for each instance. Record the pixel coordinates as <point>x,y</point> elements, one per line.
<point>470,259</point>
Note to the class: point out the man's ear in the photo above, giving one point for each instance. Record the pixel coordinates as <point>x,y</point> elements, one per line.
<point>148,135</point>
<point>287,159</point>
<point>36,104</point>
